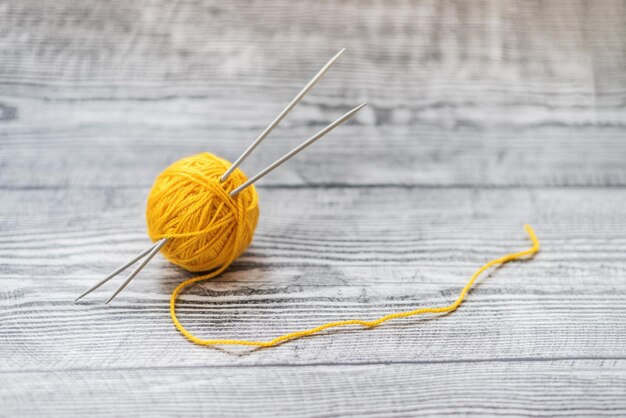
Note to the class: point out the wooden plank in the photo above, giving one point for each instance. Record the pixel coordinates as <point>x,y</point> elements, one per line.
<point>508,388</point>
<point>127,145</point>
<point>321,255</point>
<point>201,48</point>
<point>195,43</point>
<point>534,98</point>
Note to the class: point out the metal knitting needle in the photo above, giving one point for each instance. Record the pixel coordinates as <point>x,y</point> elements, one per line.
<point>281,116</point>
<point>118,270</point>
<point>241,158</point>
<point>296,150</point>
<point>155,249</point>
<point>151,251</point>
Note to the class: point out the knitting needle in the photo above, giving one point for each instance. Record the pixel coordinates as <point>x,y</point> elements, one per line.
<point>281,116</point>
<point>118,271</point>
<point>238,162</point>
<point>153,250</point>
<point>296,150</point>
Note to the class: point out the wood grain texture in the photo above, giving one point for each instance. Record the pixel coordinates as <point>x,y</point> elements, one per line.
<point>483,115</point>
<point>472,93</point>
<point>570,388</point>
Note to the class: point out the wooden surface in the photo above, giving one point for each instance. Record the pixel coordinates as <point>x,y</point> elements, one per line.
<point>482,116</point>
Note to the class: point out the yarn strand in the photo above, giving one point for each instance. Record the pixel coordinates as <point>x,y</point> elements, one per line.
<point>368,324</point>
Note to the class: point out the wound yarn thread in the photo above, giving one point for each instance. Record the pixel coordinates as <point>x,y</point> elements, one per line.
<point>207,229</point>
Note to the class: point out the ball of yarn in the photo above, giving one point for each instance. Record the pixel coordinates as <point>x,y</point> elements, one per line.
<point>206,227</point>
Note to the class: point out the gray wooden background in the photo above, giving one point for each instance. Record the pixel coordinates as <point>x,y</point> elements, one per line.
<point>482,116</point>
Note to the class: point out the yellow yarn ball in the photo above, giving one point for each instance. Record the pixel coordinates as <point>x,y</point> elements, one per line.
<point>206,227</point>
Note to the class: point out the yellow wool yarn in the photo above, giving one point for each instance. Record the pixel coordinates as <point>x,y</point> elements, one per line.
<point>206,228</point>
<point>369,324</point>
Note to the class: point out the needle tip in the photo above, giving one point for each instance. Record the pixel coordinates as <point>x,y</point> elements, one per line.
<point>356,109</point>
<point>82,296</point>
<point>337,55</point>
<point>117,292</point>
